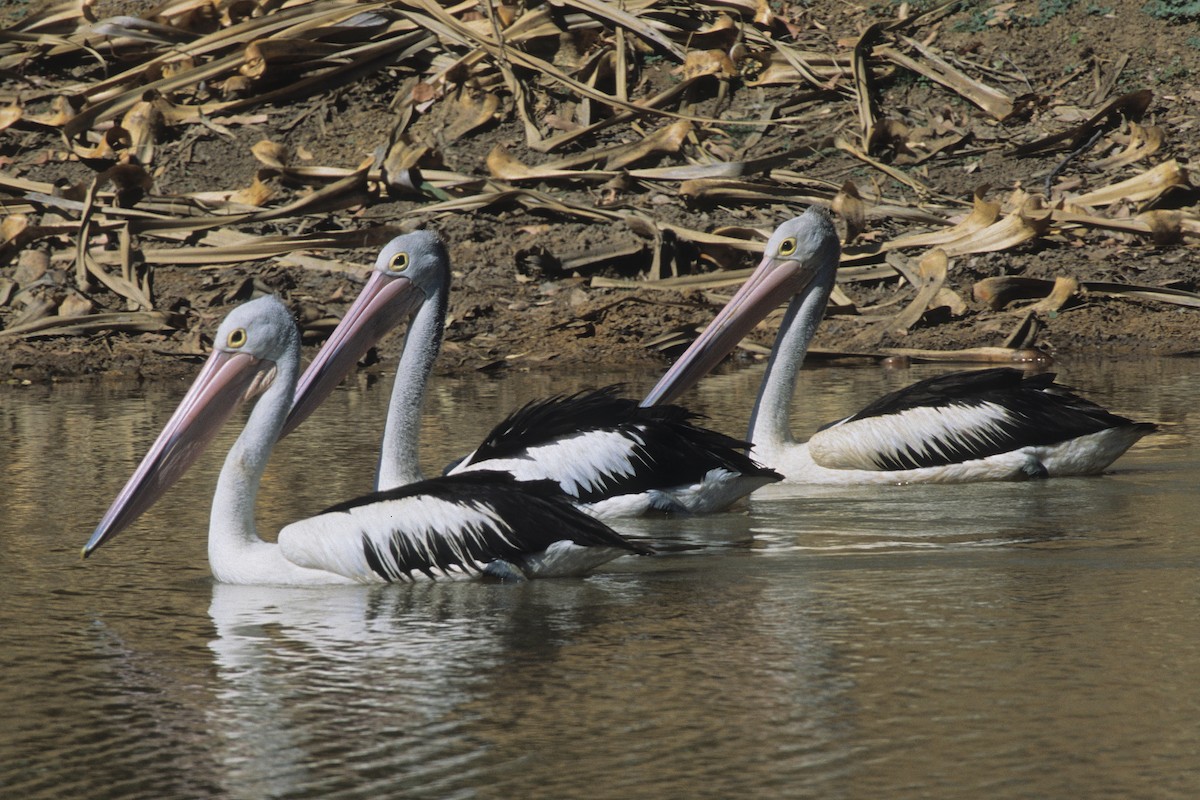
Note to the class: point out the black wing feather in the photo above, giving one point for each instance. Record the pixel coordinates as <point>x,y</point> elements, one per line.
<point>1040,412</point>
<point>673,450</point>
<point>536,513</point>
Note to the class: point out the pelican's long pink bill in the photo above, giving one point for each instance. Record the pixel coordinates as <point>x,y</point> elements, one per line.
<point>772,283</point>
<point>226,381</point>
<point>385,301</point>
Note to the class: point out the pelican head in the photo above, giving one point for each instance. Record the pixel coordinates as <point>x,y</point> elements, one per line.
<point>254,340</point>
<point>410,269</point>
<point>801,257</point>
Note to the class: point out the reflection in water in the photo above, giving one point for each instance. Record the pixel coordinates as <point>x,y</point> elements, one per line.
<point>994,640</point>
<point>455,689</point>
<point>906,517</point>
<point>384,669</point>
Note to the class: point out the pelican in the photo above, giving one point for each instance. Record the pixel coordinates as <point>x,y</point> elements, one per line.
<point>991,424</point>
<point>453,527</point>
<point>615,458</point>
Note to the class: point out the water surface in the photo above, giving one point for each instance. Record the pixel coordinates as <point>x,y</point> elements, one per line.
<point>1039,639</point>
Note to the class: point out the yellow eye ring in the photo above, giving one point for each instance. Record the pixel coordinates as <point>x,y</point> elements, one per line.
<point>399,262</point>
<point>237,338</point>
<point>787,247</point>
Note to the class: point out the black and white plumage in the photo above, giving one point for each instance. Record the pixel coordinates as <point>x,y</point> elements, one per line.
<point>992,424</point>
<point>441,528</point>
<point>613,457</point>
<point>617,458</point>
<point>477,522</point>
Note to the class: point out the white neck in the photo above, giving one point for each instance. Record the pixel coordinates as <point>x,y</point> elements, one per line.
<point>236,554</point>
<point>399,458</point>
<point>769,422</point>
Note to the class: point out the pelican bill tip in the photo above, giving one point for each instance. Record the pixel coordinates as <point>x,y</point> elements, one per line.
<point>92,544</point>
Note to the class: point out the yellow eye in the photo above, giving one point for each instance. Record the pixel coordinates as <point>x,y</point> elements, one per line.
<point>237,338</point>
<point>399,262</point>
<point>787,247</point>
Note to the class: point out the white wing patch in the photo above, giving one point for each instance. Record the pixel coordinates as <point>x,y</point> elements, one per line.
<point>412,538</point>
<point>583,463</point>
<point>913,437</point>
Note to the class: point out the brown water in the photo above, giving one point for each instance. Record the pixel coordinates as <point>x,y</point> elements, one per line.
<point>995,640</point>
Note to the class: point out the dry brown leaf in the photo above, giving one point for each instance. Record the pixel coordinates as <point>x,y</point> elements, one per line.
<point>1000,291</point>
<point>1140,188</point>
<point>452,27</point>
<point>665,140</point>
<point>114,140</point>
<point>949,299</point>
<point>1159,294</point>
<point>219,247</point>
<point>144,121</point>
<point>1025,333</point>
<point>720,189</point>
<point>1166,226</point>
<point>694,172</point>
<point>405,155</point>
<point>932,66</point>
<point>967,355</point>
<point>601,256</point>
<point>502,165</point>
<point>620,18</point>
<point>1144,141</point>
<point>234,87</point>
<point>787,64</point>
<point>280,54</point>
<point>12,227</point>
<point>708,62</point>
<point>890,134</point>
<point>721,34</point>
<point>55,17</point>
<point>997,292</point>
<point>932,274</point>
<point>526,198</point>
<point>60,113</point>
<point>36,306</point>
<point>472,116</point>
<point>1128,106</point>
<point>112,106</point>
<point>75,305</point>
<point>598,68</point>
<point>143,321</point>
<point>983,214</point>
<point>764,16</point>
<point>667,96</point>
<point>129,179</point>
<point>464,53</point>
<point>862,83</point>
<point>902,177</point>
<point>1064,289</point>
<point>1027,222</point>
<point>11,114</point>
<point>31,266</point>
<point>272,154</point>
<point>849,205</point>
<point>257,194</point>
<point>86,266</point>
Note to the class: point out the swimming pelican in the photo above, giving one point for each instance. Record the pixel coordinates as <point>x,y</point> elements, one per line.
<point>991,424</point>
<point>453,527</point>
<point>615,458</point>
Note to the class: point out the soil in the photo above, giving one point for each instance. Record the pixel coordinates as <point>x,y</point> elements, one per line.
<point>512,308</point>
